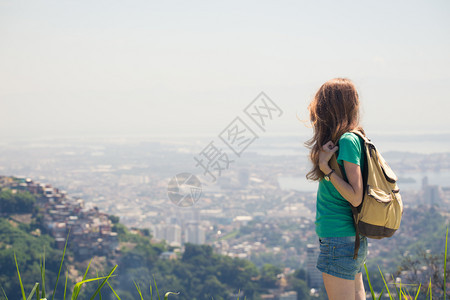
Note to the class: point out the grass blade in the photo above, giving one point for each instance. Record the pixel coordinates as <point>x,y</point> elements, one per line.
<point>430,291</point>
<point>77,287</point>
<point>100,291</point>
<point>156,287</point>
<point>385,284</point>
<point>381,294</point>
<point>37,293</point>
<point>87,269</point>
<point>115,294</point>
<point>166,296</point>
<point>407,297</point>
<point>103,283</point>
<point>65,285</point>
<point>398,290</point>
<point>43,276</point>
<point>84,277</point>
<point>4,294</point>
<point>36,285</point>
<point>60,266</point>
<point>138,288</point>
<point>417,295</point>
<point>370,285</point>
<point>20,279</point>
<point>445,266</point>
<point>151,291</point>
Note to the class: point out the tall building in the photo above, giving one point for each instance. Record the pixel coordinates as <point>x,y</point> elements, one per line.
<point>169,232</point>
<point>314,276</point>
<point>431,194</point>
<point>159,231</point>
<point>424,182</point>
<point>243,176</point>
<point>173,234</point>
<point>194,233</point>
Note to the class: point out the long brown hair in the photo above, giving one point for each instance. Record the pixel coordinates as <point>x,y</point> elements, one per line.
<point>333,112</point>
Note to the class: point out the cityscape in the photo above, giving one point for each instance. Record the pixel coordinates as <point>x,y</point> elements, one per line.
<point>256,210</point>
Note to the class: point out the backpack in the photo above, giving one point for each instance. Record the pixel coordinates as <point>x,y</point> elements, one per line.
<point>380,212</point>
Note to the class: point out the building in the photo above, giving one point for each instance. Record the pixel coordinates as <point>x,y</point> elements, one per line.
<point>168,255</point>
<point>314,276</point>
<point>194,233</point>
<point>173,234</point>
<point>243,176</point>
<point>291,295</point>
<point>431,194</point>
<point>89,229</point>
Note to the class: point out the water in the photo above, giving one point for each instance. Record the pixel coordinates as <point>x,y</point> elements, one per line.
<point>421,144</point>
<point>441,178</point>
<point>297,183</point>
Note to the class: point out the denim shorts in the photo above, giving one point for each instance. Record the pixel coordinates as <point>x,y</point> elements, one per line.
<point>336,256</point>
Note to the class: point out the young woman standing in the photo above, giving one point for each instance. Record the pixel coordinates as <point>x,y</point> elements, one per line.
<point>334,113</point>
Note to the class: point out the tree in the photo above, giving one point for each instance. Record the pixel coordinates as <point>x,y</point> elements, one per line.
<point>213,289</point>
<point>269,275</point>
<point>196,253</point>
<point>300,274</point>
<point>300,287</point>
<point>29,250</point>
<point>114,219</point>
<point>423,267</point>
<point>20,202</point>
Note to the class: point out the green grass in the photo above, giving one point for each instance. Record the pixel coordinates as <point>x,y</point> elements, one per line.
<point>229,235</point>
<point>77,287</point>
<point>402,291</point>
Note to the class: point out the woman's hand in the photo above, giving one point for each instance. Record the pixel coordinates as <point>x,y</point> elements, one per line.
<point>352,191</point>
<point>325,155</point>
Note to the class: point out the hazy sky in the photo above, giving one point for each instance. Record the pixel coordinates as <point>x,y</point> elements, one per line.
<point>73,68</point>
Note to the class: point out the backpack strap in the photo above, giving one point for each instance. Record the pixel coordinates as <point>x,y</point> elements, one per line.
<point>336,167</point>
<point>361,135</point>
<point>357,239</point>
<point>355,209</point>
<point>340,172</point>
<point>367,143</point>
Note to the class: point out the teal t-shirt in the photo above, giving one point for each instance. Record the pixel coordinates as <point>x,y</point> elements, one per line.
<point>333,213</point>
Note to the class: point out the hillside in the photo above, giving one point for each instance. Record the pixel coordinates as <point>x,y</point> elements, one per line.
<point>194,271</point>
<point>35,220</point>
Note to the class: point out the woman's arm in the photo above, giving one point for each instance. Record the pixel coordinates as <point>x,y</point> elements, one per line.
<point>351,191</point>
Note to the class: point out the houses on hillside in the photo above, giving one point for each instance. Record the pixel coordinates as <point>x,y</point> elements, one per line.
<point>88,228</point>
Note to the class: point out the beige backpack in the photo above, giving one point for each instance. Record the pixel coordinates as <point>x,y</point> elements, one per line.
<point>380,212</point>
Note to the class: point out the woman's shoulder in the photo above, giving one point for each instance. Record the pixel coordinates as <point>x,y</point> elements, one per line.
<point>350,148</point>
<point>350,140</point>
<point>349,137</point>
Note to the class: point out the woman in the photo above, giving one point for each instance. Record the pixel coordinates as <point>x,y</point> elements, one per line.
<point>334,113</point>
